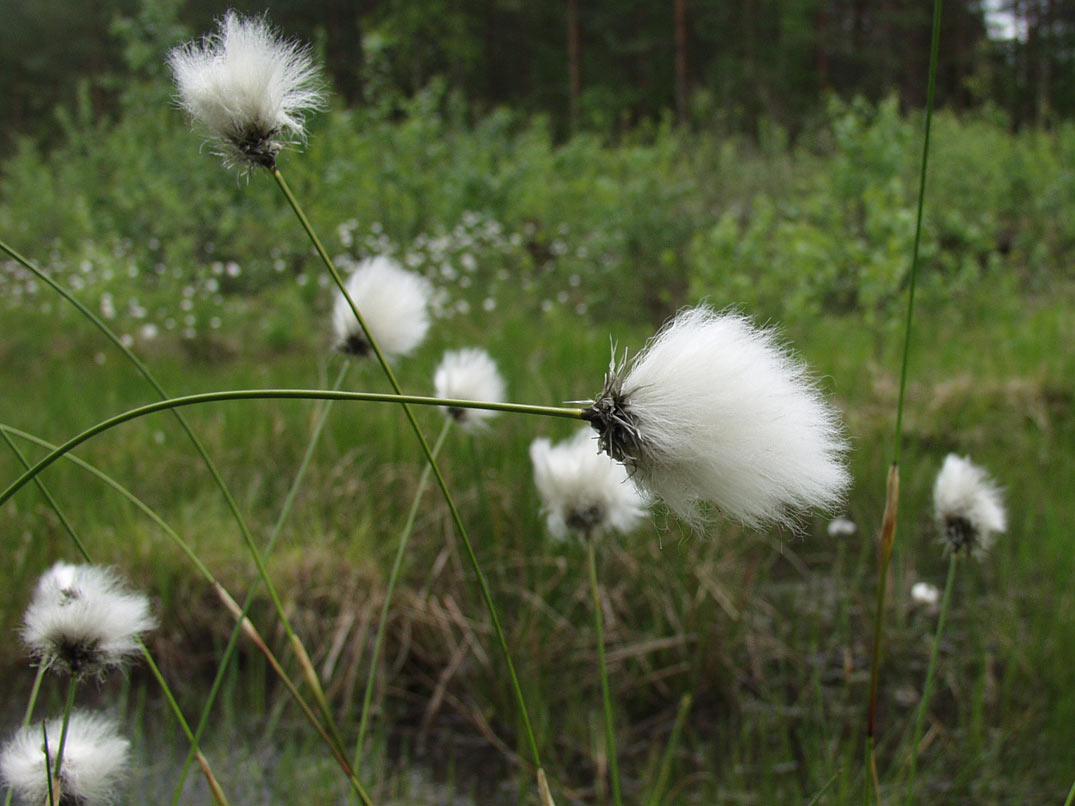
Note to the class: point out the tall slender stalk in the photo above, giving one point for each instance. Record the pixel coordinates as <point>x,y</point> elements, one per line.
<point>393,576</point>
<point>665,771</point>
<point>927,689</point>
<point>427,451</point>
<point>68,707</point>
<point>888,534</point>
<point>606,695</point>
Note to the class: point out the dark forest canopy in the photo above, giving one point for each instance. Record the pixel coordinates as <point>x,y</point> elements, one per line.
<point>598,64</point>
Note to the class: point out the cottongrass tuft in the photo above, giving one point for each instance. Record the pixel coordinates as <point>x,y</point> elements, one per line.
<point>469,374</point>
<point>83,621</point>
<point>925,594</point>
<point>94,760</point>
<point>394,303</point>
<point>249,88</point>
<point>582,490</point>
<point>968,506</point>
<point>842,527</point>
<point>714,410</point>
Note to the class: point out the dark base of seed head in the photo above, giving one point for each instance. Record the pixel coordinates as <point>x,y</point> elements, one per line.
<point>610,415</point>
<point>960,535</point>
<point>586,520</point>
<point>355,345</point>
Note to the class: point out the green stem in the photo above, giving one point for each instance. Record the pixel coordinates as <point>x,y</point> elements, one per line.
<point>669,752</point>
<point>269,394</point>
<point>68,707</point>
<point>393,576</point>
<point>285,512</point>
<point>825,788</point>
<point>927,690</point>
<point>1071,795</point>
<point>886,549</point>
<point>933,52</point>
<point>48,762</point>
<point>427,451</point>
<point>606,695</point>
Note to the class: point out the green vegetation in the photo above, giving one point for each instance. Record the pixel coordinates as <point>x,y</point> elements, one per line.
<point>541,251</point>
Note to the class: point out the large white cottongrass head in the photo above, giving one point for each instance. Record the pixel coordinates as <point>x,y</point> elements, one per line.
<point>393,302</point>
<point>968,506</point>
<point>714,410</point>
<point>583,490</point>
<point>94,760</point>
<point>248,88</point>
<point>469,374</point>
<point>82,620</point>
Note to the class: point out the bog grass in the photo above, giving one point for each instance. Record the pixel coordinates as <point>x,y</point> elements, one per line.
<point>545,252</point>
<point>769,633</point>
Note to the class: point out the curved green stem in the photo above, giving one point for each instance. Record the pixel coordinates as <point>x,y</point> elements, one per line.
<point>606,695</point>
<point>393,576</point>
<point>266,394</point>
<point>927,689</point>
<point>426,450</point>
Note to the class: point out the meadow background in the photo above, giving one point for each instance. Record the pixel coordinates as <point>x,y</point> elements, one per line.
<point>548,232</point>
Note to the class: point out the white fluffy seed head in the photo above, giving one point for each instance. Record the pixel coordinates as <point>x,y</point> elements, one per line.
<point>842,527</point>
<point>394,303</point>
<point>583,490</point>
<point>968,506</point>
<point>83,621</point>
<point>469,374</point>
<point>248,88</point>
<point>94,760</point>
<point>925,594</point>
<point>714,410</point>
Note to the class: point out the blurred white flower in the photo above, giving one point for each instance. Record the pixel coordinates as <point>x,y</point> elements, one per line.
<point>248,87</point>
<point>83,621</point>
<point>968,506</point>
<point>923,593</point>
<point>715,410</point>
<point>583,490</point>
<point>469,374</point>
<point>842,527</point>
<point>94,760</point>
<point>394,303</point>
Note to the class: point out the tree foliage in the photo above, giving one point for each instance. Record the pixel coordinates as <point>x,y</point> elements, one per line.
<point>742,65</point>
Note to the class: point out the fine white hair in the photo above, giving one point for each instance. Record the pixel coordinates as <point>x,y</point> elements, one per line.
<point>94,760</point>
<point>83,620</point>
<point>583,490</point>
<point>968,506</point>
<point>469,374</point>
<point>715,410</point>
<point>393,302</point>
<point>249,88</point>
